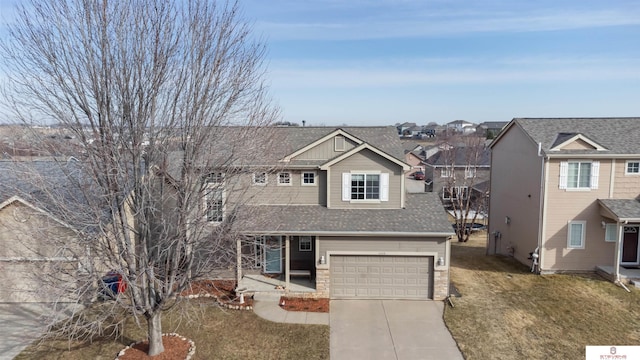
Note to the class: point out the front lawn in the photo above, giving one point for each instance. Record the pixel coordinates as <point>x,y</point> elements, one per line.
<point>506,312</point>
<point>218,334</point>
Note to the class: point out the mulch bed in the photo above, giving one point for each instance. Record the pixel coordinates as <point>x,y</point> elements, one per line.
<point>175,348</point>
<point>223,290</point>
<point>304,304</point>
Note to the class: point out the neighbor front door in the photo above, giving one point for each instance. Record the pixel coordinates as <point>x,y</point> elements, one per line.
<point>630,246</point>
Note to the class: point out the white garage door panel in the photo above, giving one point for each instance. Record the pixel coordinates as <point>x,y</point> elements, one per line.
<point>378,277</point>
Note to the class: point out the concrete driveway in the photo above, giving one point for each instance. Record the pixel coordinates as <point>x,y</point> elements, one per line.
<point>20,327</point>
<point>390,329</point>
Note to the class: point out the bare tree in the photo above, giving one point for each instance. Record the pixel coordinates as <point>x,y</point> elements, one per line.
<point>465,159</point>
<point>168,104</point>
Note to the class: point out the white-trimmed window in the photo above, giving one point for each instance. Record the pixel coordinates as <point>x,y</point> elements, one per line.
<point>610,232</point>
<point>260,178</point>
<point>339,143</point>
<point>575,236</point>
<point>632,168</point>
<point>470,172</point>
<point>214,197</point>
<point>305,243</point>
<point>445,171</point>
<point>365,186</point>
<point>308,178</point>
<point>580,175</point>
<point>452,192</point>
<point>284,179</point>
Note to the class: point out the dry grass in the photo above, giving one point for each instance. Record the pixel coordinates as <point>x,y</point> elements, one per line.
<point>506,312</point>
<point>218,334</point>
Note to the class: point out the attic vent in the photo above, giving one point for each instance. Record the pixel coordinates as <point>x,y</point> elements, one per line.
<point>339,143</point>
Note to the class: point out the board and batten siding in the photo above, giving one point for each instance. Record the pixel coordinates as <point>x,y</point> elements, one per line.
<point>326,150</point>
<point>365,161</point>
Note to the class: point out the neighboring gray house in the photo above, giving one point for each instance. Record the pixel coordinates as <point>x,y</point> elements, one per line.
<point>458,170</point>
<point>568,189</point>
<point>337,210</point>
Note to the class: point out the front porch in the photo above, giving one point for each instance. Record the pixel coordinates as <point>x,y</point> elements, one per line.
<point>258,283</point>
<point>627,275</point>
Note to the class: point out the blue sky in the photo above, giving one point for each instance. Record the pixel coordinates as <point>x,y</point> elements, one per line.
<point>364,62</point>
<point>377,62</point>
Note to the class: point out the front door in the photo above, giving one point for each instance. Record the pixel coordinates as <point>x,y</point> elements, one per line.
<point>272,254</point>
<point>630,247</point>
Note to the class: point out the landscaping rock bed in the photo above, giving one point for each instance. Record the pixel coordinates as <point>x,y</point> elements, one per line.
<point>223,291</point>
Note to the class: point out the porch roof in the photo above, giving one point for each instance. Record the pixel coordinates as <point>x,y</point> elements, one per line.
<point>620,209</point>
<point>423,215</point>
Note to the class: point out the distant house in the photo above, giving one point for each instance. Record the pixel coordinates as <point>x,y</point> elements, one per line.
<point>461,126</point>
<point>568,191</point>
<point>490,129</point>
<point>402,128</point>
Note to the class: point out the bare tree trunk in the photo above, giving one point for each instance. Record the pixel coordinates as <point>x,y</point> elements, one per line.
<point>154,329</point>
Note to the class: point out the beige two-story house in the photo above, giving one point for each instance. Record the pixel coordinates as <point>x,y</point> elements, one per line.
<point>566,190</point>
<point>334,206</point>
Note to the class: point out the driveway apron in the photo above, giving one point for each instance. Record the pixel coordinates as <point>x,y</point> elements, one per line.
<point>390,329</point>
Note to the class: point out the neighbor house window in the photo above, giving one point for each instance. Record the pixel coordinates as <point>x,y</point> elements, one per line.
<point>305,243</point>
<point>452,192</point>
<point>610,232</point>
<point>308,178</point>
<point>469,172</point>
<point>284,178</point>
<point>575,238</point>
<point>260,178</point>
<point>214,197</point>
<point>339,143</point>
<point>633,168</point>
<point>579,174</point>
<point>445,172</point>
<point>365,186</point>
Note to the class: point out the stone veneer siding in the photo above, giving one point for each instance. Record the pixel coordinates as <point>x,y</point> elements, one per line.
<point>440,284</point>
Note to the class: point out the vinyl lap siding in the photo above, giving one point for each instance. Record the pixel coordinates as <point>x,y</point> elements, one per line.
<point>325,150</point>
<point>382,244</point>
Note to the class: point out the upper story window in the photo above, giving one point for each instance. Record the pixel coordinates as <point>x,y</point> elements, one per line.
<point>260,178</point>
<point>580,175</point>
<point>308,178</point>
<point>284,178</point>
<point>339,143</point>
<point>445,171</point>
<point>575,237</point>
<point>214,197</point>
<point>632,168</point>
<point>365,186</point>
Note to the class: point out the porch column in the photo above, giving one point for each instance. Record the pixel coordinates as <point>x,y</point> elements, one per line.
<point>287,252</point>
<point>238,261</point>
<point>616,261</point>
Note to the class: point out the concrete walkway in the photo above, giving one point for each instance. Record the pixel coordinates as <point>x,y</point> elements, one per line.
<point>266,306</point>
<point>390,329</point>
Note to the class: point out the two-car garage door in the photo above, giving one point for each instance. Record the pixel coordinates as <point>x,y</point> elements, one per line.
<point>381,277</point>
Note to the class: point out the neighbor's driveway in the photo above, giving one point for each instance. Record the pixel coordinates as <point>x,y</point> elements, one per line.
<point>390,329</point>
<point>19,327</point>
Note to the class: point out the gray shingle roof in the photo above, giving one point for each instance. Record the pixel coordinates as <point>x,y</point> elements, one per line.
<point>617,135</point>
<point>423,214</point>
<point>624,209</point>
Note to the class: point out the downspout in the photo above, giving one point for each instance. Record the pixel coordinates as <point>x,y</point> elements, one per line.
<point>543,196</point>
<point>616,263</point>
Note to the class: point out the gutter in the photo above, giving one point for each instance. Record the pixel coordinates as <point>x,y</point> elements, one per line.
<point>541,211</point>
<point>351,233</point>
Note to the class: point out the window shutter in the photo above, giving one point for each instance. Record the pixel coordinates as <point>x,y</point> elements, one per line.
<point>595,170</point>
<point>564,169</point>
<point>346,186</point>
<point>384,187</point>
